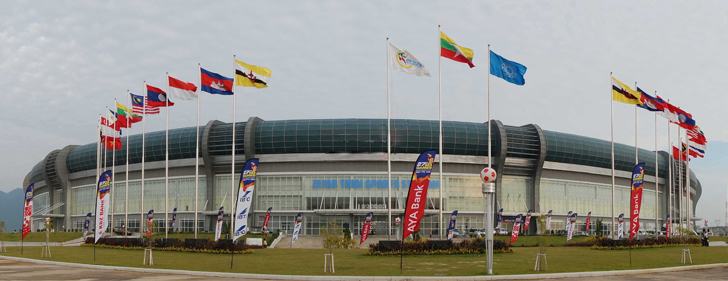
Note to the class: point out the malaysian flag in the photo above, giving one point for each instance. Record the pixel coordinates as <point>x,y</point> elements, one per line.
<point>137,105</point>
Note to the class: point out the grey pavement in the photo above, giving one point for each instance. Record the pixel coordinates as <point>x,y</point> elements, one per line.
<point>13,269</point>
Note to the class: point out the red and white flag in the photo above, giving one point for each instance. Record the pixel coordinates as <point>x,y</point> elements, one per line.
<point>181,89</point>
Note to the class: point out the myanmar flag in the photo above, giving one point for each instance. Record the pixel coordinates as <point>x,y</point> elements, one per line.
<point>453,51</point>
<point>123,112</point>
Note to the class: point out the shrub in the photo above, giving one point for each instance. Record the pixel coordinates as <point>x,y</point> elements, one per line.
<point>435,247</point>
<point>646,242</point>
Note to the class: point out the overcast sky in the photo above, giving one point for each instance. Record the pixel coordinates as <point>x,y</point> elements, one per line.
<point>63,62</point>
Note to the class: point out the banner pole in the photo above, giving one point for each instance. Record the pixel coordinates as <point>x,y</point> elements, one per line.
<point>389,147</point>
<point>166,164</point>
<point>197,159</point>
<point>611,126</point>
<point>636,149</point>
<point>680,179</point>
<point>144,117</point>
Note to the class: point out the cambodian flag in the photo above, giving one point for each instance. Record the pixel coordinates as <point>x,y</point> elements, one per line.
<point>157,98</point>
<point>215,84</point>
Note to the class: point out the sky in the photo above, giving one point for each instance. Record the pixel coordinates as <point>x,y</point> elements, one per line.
<point>64,62</point>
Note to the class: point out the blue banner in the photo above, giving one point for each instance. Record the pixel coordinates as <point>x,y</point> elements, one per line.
<point>246,186</point>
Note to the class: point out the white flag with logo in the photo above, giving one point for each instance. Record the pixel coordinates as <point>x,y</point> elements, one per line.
<point>406,62</point>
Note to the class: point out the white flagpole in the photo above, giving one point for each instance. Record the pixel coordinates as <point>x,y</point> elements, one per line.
<point>490,199</point>
<point>657,183</point>
<point>689,204</point>
<point>98,150</point>
<point>166,164</point>
<point>232,168</point>
<point>611,126</point>
<point>636,149</point>
<point>126,178</point>
<point>197,159</point>
<point>113,174</point>
<point>144,117</point>
<point>669,175</point>
<point>389,149</point>
<point>440,151</point>
<point>679,177</point>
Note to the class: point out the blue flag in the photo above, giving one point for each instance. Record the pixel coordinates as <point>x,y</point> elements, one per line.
<point>510,71</point>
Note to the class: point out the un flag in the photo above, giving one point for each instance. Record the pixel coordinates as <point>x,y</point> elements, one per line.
<point>510,71</point>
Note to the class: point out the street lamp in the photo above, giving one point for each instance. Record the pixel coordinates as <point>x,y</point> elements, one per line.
<point>488,176</point>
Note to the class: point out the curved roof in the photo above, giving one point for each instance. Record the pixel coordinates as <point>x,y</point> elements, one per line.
<point>363,136</point>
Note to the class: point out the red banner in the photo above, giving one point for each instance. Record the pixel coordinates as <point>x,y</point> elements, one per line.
<point>516,228</point>
<point>28,210</point>
<point>366,228</point>
<point>667,227</point>
<point>527,222</point>
<point>267,219</point>
<point>588,223</point>
<point>635,199</point>
<point>417,195</point>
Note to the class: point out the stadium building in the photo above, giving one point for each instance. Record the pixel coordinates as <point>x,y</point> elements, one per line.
<point>334,171</point>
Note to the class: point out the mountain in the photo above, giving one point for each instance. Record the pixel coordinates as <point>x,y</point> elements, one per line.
<point>11,208</point>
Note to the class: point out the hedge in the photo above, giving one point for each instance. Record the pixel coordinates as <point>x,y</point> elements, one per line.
<point>435,247</point>
<point>645,242</point>
<point>193,245</point>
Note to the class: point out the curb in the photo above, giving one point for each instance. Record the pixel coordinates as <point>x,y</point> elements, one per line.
<point>377,278</point>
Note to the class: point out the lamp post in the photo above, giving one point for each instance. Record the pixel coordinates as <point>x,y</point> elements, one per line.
<point>488,176</point>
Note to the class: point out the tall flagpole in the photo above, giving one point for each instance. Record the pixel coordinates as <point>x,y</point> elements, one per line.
<point>389,149</point>
<point>144,117</point>
<point>442,153</point>
<point>669,174</point>
<point>166,164</point>
<point>681,203</point>
<point>689,204</point>
<point>489,207</point>
<point>197,159</point>
<point>657,183</point>
<point>232,169</point>
<point>611,126</point>
<point>113,173</point>
<point>636,149</point>
<point>126,178</point>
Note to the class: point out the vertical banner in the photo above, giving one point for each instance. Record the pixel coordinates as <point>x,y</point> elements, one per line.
<point>451,224</point>
<point>28,210</point>
<point>548,220</point>
<point>266,221</point>
<point>588,223</point>
<point>566,221</point>
<point>150,224</point>
<point>297,223</point>
<point>103,202</point>
<point>174,219</point>
<point>620,226</point>
<point>572,227</point>
<point>635,199</point>
<point>516,229</point>
<point>366,228</point>
<point>527,222</point>
<point>218,224</point>
<point>668,223</point>
<point>246,186</point>
<point>499,218</point>
<point>417,195</point>
<point>86,226</point>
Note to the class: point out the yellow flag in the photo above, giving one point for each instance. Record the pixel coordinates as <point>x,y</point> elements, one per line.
<point>624,94</point>
<point>246,77</point>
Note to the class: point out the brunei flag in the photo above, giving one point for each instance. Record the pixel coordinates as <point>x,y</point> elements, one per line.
<point>624,94</point>
<point>453,51</point>
<point>245,75</point>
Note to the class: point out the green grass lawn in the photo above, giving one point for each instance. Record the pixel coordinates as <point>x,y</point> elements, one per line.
<point>40,236</point>
<point>356,262</point>
<point>548,241</point>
